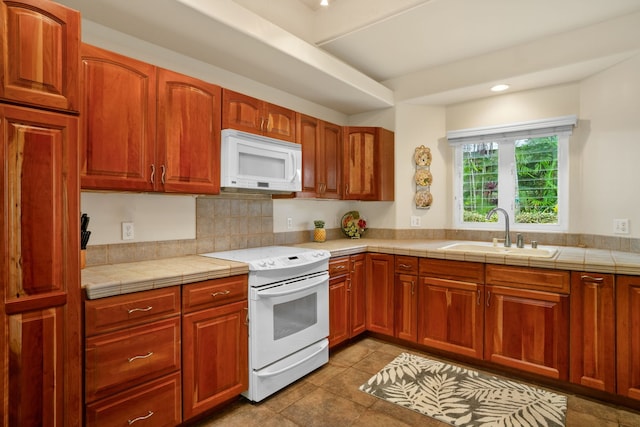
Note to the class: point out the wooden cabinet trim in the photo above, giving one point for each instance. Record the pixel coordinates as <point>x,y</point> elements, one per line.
<point>528,278</point>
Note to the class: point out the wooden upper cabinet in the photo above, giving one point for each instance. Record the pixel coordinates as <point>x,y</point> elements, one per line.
<point>118,122</point>
<point>321,157</point>
<point>40,209</point>
<point>368,164</point>
<point>40,54</point>
<point>188,136</point>
<point>147,128</point>
<point>245,113</point>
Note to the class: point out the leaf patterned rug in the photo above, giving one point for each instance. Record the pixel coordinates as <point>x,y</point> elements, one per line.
<point>463,397</point>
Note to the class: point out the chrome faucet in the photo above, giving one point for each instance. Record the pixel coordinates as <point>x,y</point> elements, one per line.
<point>507,239</point>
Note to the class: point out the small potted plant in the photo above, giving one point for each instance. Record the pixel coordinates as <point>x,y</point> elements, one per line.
<point>319,233</point>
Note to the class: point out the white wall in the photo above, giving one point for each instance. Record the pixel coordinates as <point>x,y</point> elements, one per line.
<point>610,156</point>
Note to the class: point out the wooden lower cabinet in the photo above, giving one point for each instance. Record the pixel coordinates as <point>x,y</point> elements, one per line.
<point>154,404</point>
<point>527,330</point>
<point>406,298</point>
<point>593,334</point>
<point>346,298</point>
<point>628,335</point>
<point>133,359</point>
<point>215,341</point>
<point>380,293</point>
<point>451,306</point>
<point>215,354</point>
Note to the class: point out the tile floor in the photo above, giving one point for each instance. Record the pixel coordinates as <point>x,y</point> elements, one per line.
<point>330,397</point>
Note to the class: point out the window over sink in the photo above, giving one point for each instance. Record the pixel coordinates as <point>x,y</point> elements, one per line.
<point>520,167</point>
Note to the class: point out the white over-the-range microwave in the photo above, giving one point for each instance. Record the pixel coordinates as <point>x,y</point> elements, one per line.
<point>252,162</point>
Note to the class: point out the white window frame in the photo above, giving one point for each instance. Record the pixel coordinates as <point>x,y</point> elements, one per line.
<point>505,136</point>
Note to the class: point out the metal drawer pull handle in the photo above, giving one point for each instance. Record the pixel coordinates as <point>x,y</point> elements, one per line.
<point>478,300</point>
<point>133,310</point>
<point>131,359</point>
<point>215,294</point>
<point>405,266</point>
<point>164,173</point>
<point>592,279</point>
<point>153,173</point>
<point>339,267</point>
<point>140,418</point>
<point>488,298</point>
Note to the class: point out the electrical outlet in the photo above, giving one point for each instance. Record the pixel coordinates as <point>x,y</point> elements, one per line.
<point>289,223</point>
<point>127,231</point>
<point>415,221</point>
<point>621,226</point>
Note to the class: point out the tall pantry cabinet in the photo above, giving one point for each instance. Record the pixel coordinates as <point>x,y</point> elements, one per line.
<point>39,215</point>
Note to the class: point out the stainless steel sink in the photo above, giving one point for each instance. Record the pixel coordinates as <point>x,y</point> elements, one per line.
<point>488,248</point>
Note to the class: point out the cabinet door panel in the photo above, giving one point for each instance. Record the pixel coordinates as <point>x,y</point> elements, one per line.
<point>528,330</point>
<point>593,330</point>
<point>628,335</point>
<point>360,164</point>
<point>331,140</point>
<point>36,372</point>
<point>241,112</point>
<point>406,316</point>
<point>119,122</point>
<point>308,129</point>
<point>215,353</point>
<point>40,55</point>
<point>379,293</point>
<point>188,134</point>
<point>338,309</point>
<point>451,316</point>
<point>280,122</point>
<point>357,295</point>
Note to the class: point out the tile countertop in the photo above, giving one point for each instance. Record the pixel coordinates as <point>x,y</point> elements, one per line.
<point>115,279</point>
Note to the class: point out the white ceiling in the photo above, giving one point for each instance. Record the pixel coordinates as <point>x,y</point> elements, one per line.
<point>362,55</point>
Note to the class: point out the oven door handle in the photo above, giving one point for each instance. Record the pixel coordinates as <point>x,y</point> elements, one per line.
<point>299,362</point>
<point>267,293</point>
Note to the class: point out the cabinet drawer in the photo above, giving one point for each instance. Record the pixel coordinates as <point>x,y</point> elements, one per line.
<point>110,314</point>
<point>452,270</point>
<point>338,266</point>
<point>152,404</point>
<point>212,293</point>
<point>528,278</point>
<point>120,359</point>
<point>406,264</point>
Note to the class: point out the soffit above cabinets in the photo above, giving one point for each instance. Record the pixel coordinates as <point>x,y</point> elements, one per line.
<point>363,55</point>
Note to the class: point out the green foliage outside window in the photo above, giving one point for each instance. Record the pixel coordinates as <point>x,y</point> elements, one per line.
<point>536,186</point>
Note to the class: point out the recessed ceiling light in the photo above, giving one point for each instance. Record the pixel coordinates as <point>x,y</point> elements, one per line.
<point>499,88</point>
<point>324,3</point>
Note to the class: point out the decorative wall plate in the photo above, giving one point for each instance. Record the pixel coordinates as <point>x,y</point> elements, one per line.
<point>423,199</point>
<point>353,225</point>
<point>423,177</point>
<point>422,156</point>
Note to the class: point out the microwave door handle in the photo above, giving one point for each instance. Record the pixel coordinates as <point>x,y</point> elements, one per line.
<point>292,171</point>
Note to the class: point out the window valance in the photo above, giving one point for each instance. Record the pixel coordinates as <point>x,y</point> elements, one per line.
<point>531,129</point>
